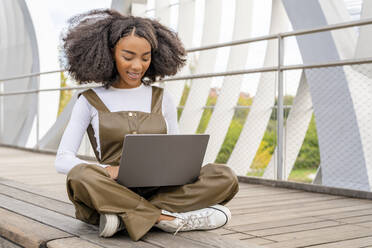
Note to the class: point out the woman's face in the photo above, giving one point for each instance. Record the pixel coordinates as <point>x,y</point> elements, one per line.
<point>132,55</point>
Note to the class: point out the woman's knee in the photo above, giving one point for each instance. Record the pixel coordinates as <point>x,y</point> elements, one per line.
<point>80,173</point>
<point>226,175</point>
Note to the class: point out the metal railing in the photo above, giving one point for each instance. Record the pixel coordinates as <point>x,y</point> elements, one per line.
<point>280,68</point>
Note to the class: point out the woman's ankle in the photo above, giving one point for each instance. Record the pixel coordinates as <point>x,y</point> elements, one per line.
<point>165,217</point>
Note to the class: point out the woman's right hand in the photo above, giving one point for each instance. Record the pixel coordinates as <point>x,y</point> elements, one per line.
<point>113,171</point>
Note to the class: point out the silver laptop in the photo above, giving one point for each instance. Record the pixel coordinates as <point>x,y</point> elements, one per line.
<point>161,160</point>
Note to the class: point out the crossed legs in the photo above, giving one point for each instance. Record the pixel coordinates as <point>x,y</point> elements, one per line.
<point>93,192</point>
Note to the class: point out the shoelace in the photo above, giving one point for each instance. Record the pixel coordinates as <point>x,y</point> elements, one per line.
<point>194,220</point>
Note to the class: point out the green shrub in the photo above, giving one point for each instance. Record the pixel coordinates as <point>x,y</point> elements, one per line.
<point>309,156</point>
<point>230,141</point>
<point>64,95</point>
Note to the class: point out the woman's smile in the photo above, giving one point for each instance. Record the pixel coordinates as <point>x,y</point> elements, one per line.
<point>134,75</point>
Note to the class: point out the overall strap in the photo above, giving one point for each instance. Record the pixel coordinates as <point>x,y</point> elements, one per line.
<point>93,141</point>
<point>156,100</point>
<point>94,100</point>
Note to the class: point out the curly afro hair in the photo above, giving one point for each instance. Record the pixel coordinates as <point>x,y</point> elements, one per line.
<point>90,38</point>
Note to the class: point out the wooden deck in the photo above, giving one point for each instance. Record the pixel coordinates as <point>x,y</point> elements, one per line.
<point>35,212</point>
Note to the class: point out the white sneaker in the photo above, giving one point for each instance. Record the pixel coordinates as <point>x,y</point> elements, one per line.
<point>203,219</point>
<point>109,224</point>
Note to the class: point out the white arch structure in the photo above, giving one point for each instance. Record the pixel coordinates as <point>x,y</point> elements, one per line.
<point>263,102</point>
<point>230,90</point>
<point>186,17</point>
<point>199,89</point>
<point>19,55</point>
<point>339,97</point>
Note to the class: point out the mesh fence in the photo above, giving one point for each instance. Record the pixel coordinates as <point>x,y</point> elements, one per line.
<point>324,123</point>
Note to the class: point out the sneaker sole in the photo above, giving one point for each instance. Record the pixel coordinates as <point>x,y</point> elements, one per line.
<point>104,226</point>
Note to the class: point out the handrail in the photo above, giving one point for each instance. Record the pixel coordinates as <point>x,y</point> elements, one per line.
<point>220,74</point>
<point>341,25</point>
<point>29,75</point>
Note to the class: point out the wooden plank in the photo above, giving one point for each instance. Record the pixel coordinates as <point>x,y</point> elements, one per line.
<point>295,207</point>
<point>238,235</point>
<point>31,189</point>
<point>356,220</point>
<point>275,197</point>
<point>119,240</point>
<point>38,200</point>
<point>71,243</point>
<point>222,231</point>
<point>346,214</point>
<point>60,221</point>
<point>319,240</point>
<point>25,231</point>
<point>243,204</point>
<point>293,228</point>
<point>250,187</point>
<point>367,224</point>
<point>263,196</point>
<point>216,240</point>
<point>47,217</point>
<point>261,191</point>
<point>303,208</point>
<point>352,231</point>
<point>242,210</point>
<point>31,172</point>
<point>251,218</point>
<point>262,225</point>
<point>352,243</point>
<point>159,238</point>
<point>41,180</point>
<point>345,208</point>
<point>257,241</point>
<point>4,243</point>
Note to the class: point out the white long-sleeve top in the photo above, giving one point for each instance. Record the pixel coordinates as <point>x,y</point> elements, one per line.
<point>115,99</point>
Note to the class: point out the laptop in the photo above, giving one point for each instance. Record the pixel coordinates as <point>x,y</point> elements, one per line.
<point>150,160</point>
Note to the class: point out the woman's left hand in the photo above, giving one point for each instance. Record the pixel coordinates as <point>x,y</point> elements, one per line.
<point>113,171</point>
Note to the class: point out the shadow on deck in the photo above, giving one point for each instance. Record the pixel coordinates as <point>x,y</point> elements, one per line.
<point>35,212</point>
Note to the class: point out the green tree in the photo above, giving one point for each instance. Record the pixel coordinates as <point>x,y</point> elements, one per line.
<point>207,113</point>
<point>185,94</point>
<point>64,95</point>
<point>230,141</point>
<point>309,156</point>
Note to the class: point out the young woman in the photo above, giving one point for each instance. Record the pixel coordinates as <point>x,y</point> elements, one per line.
<point>126,54</point>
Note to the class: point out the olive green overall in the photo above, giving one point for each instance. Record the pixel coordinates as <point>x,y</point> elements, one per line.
<point>93,192</point>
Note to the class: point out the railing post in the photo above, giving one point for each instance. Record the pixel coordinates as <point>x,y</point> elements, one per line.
<point>37,118</point>
<point>280,170</point>
<point>1,111</point>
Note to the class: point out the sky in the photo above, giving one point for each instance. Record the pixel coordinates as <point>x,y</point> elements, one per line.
<point>60,11</point>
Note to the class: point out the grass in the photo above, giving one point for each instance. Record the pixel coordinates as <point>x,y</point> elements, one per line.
<point>302,175</point>
<point>297,175</point>
<point>256,173</point>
